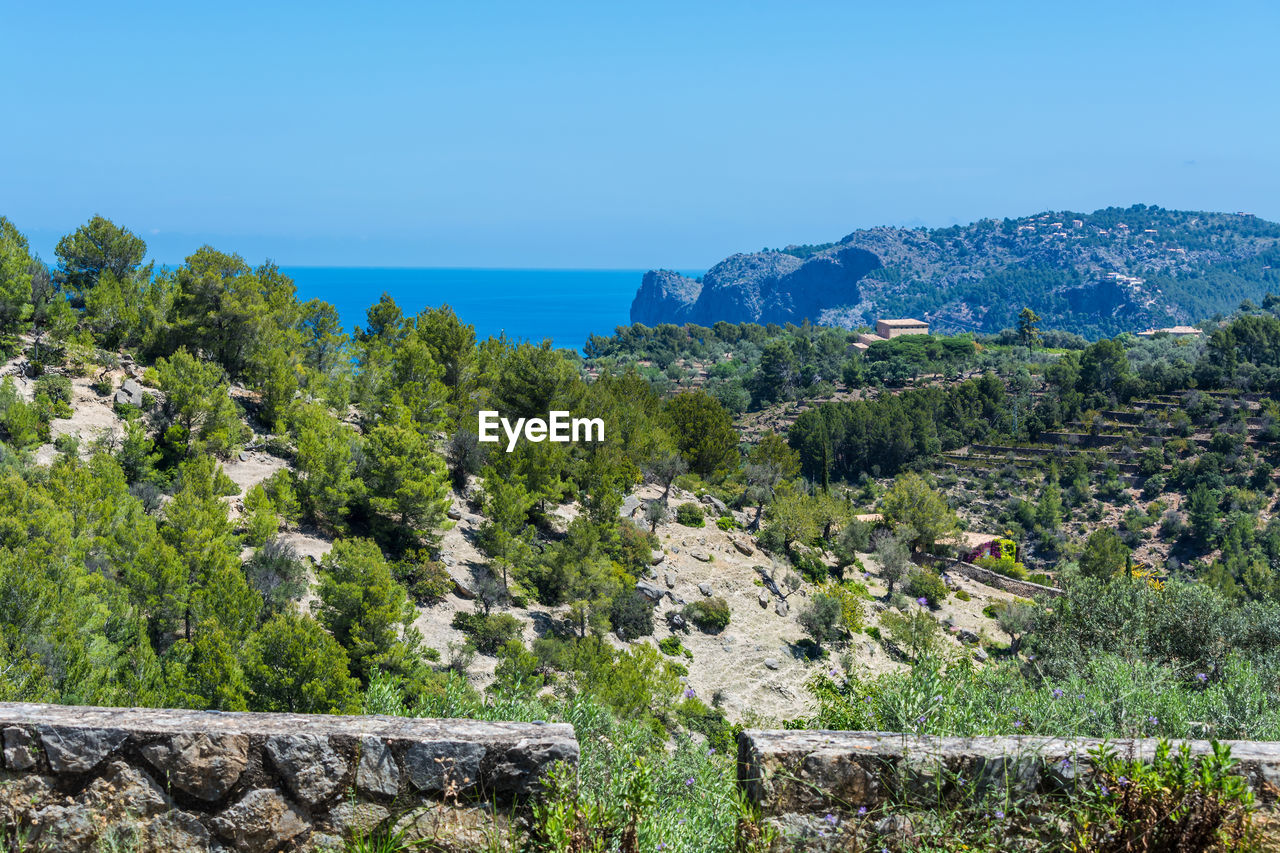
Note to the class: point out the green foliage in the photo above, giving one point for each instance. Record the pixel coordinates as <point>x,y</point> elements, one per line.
<point>822,618</point>
<point>631,615</point>
<point>915,631</point>
<point>198,415</point>
<point>710,615</point>
<point>1104,555</point>
<point>691,515</point>
<point>926,584</point>
<point>489,632</point>
<point>293,665</point>
<point>703,431</point>
<point>914,504</point>
<point>1005,565</point>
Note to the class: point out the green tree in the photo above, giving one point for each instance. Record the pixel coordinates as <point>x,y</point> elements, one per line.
<point>97,247</point>
<point>703,431</point>
<point>293,665</point>
<point>821,618</point>
<point>1049,508</point>
<point>325,463</point>
<point>911,502</point>
<point>1203,513</point>
<point>1104,555</point>
<point>368,613</point>
<point>15,279</point>
<point>1028,328</point>
<point>406,478</point>
<point>198,412</point>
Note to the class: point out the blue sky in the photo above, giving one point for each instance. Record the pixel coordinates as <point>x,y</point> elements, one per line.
<point>619,135</point>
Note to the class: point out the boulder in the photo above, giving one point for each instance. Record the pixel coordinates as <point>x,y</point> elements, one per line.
<point>649,591</point>
<point>705,588</point>
<point>124,792</point>
<point>700,556</point>
<point>771,663</point>
<point>77,750</point>
<point>657,555</point>
<point>453,513</point>
<point>670,581</point>
<point>357,820</point>
<point>261,820</point>
<point>677,622</point>
<point>764,599</point>
<point>743,548</point>
<point>174,831</point>
<point>463,590</point>
<point>980,655</point>
<point>444,766</point>
<point>716,504</point>
<point>19,749</point>
<point>309,766</point>
<point>130,393</point>
<point>781,608</point>
<point>203,765</point>
<point>450,828</point>
<point>377,772</point>
<point>630,505</point>
<point>67,829</point>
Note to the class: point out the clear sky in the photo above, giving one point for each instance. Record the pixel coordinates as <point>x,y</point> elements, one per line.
<point>623,135</point>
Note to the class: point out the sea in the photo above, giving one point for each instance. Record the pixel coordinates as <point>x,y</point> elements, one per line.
<point>524,305</point>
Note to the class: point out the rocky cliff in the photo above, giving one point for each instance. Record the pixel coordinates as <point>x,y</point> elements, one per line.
<point>1100,273</point>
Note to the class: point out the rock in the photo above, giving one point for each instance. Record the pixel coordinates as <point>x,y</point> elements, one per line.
<point>771,663</point>
<point>781,608</point>
<point>19,749</point>
<point>764,599</point>
<point>308,765</point>
<point>124,792</point>
<point>450,828</point>
<point>964,635</point>
<point>243,456</point>
<point>651,573</point>
<point>980,655</point>
<point>705,588</point>
<point>671,582</point>
<point>174,832</point>
<point>377,772</point>
<point>700,556</point>
<point>630,505</point>
<point>66,829</point>
<point>657,555</point>
<point>262,820</point>
<point>463,591</point>
<point>75,750</point>
<point>716,504</point>
<point>743,548</point>
<point>649,591</point>
<point>897,828</point>
<point>351,820</point>
<point>453,513</point>
<point>321,842</point>
<point>130,394</point>
<point>677,622</point>
<point>205,766</point>
<point>453,765</point>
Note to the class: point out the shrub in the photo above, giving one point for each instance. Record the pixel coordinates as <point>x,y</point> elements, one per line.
<point>710,615</point>
<point>963,595</point>
<point>428,582</point>
<point>992,611</point>
<point>923,583</point>
<point>631,615</point>
<point>488,633</point>
<point>1041,578</point>
<point>57,388</point>
<point>1007,566</point>
<point>670,646</point>
<point>872,631</point>
<point>690,515</point>
<point>727,522</point>
<point>917,632</point>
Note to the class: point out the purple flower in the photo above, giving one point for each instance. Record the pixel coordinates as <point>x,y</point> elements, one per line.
<point>689,693</point>
<point>999,815</point>
<point>1203,676</point>
<point>922,601</point>
<point>1123,781</point>
<point>862,809</point>
<point>1057,693</point>
<point>688,782</point>
<point>711,752</point>
<point>1017,724</point>
<point>920,719</point>
<point>832,819</point>
<point>1155,721</point>
<point>1105,792</point>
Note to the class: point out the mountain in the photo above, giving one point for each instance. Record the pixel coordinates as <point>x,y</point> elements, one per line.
<point>1097,274</point>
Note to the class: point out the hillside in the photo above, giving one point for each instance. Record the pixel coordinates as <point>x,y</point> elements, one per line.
<point>1097,274</point>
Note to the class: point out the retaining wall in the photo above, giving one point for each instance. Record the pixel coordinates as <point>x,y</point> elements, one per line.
<point>173,780</point>
<point>1026,589</point>
<point>804,782</point>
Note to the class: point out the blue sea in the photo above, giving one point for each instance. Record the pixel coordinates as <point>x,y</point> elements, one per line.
<point>563,305</point>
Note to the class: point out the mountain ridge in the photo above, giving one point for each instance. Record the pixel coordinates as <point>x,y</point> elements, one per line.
<point>1098,274</point>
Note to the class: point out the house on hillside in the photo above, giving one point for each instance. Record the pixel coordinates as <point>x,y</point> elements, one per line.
<point>889,329</point>
<point>1173,331</point>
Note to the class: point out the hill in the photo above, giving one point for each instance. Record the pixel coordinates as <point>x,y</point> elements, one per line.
<point>1097,274</point>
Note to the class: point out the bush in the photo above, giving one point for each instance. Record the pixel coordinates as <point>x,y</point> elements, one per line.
<point>872,631</point>
<point>428,582</point>
<point>690,515</point>
<point>822,618</point>
<point>670,646</point>
<point>727,522</point>
<point>631,615</point>
<point>923,583</point>
<point>710,615</point>
<point>487,633</point>
<point>963,595</point>
<point>1007,566</point>
<point>57,388</point>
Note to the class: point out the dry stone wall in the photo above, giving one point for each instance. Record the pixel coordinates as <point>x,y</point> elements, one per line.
<point>173,780</point>
<point>805,782</point>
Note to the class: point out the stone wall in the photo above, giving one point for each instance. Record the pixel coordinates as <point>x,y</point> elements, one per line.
<point>1026,589</point>
<point>804,781</point>
<point>173,780</point>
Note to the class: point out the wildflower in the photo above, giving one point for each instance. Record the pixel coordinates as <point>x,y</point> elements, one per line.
<point>689,693</point>
<point>835,673</point>
<point>1017,724</point>
<point>832,819</point>
<point>711,752</point>
<point>688,782</point>
<point>1105,792</point>
<point>920,719</point>
<point>1057,693</point>
<point>922,601</point>
<point>1202,676</point>
<point>1155,721</point>
<point>999,815</point>
<point>1123,781</point>
<point>862,810</point>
